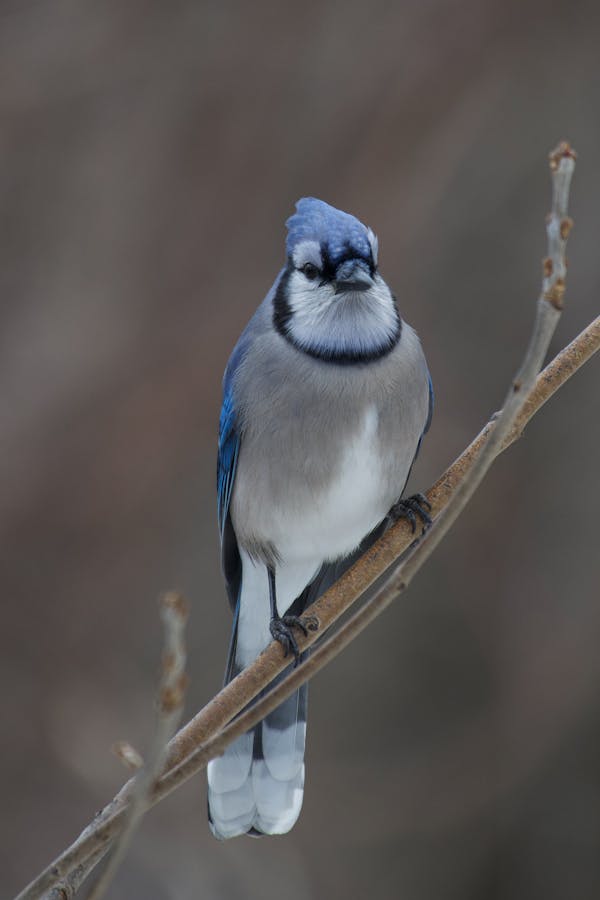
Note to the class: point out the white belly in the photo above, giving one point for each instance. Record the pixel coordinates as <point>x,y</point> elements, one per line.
<point>331,523</point>
<point>328,525</point>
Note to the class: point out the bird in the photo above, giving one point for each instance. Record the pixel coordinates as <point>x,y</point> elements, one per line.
<point>326,398</point>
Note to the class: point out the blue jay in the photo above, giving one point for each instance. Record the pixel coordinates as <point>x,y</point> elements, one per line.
<point>326,398</point>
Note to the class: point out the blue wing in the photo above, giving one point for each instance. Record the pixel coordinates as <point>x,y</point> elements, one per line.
<point>229,445</point>
<point>227,458</point>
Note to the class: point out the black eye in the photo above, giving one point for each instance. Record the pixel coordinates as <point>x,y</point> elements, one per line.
<point>310,271</point>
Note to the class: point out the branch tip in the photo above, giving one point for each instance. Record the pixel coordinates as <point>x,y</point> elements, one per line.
<point>562,151</point>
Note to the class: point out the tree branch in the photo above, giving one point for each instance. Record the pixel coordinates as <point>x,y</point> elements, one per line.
<point>208,732</point>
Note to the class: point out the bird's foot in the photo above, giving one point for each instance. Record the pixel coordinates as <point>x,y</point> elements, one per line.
<point>409,508</point>
<point>281,630</point>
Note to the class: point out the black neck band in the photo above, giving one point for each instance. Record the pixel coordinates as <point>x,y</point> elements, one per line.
<point>282,315</point>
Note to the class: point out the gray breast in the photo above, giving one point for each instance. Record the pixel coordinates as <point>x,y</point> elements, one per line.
<point>298,416</point>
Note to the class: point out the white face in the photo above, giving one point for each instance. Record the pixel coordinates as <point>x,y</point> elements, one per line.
<point>307,252</point>
<point>327,319</point>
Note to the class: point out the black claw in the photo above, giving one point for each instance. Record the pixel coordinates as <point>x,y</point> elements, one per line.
<point>411,507</point>
<point>295,622</point>
<point>421,499</point>
<point>281,630</point>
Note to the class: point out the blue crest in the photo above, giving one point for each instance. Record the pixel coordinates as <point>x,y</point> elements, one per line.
<point>331,228</point>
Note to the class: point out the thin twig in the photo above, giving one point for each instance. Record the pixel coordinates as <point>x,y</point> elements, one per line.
<point>548,312</point>
<point>328,608</point>
<point>68,887</point>
<point>169,707</point>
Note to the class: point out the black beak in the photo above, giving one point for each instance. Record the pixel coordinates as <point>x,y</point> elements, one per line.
<point>352,277</point>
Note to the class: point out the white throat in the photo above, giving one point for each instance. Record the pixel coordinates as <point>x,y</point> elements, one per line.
<point>353,324</point>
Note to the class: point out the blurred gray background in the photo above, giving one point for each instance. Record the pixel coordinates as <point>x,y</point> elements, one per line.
<point>150,153</point>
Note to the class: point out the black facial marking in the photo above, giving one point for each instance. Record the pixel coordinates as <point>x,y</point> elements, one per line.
<point>330,266</point>
<point>281,308</point>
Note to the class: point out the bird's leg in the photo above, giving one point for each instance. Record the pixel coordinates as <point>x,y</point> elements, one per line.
<point>409,508</point>
<point>281,626</point>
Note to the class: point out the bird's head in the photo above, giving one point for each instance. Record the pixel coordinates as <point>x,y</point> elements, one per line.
<point>331,301</point>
